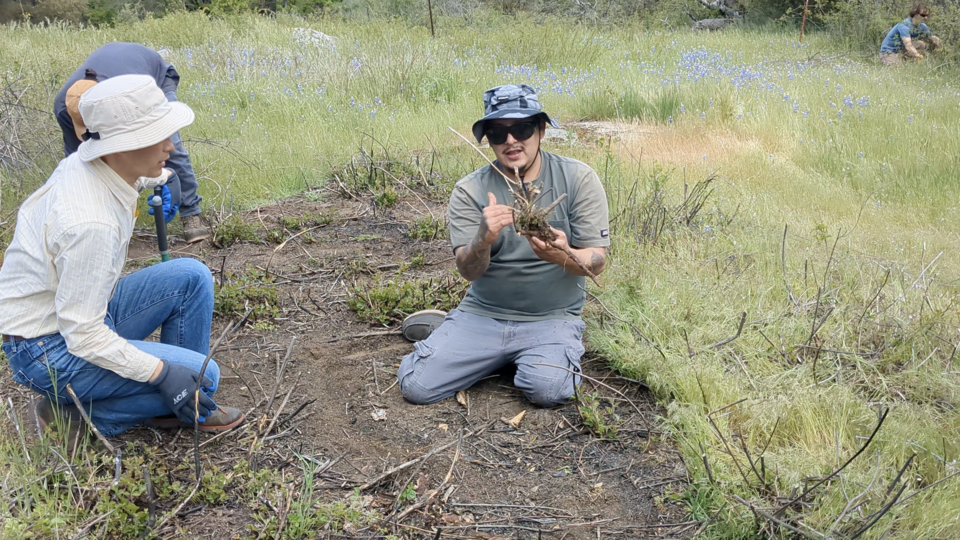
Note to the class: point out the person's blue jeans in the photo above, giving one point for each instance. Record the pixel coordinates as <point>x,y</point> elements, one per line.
<point>177,297</point>
<point>183,182</point>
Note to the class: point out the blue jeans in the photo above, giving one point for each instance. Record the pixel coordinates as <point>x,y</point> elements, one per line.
<point>183,183</point>
<point>177,297</point>
<point>468,347</point>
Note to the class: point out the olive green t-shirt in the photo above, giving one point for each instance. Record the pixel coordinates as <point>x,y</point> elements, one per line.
<point>517,285</point>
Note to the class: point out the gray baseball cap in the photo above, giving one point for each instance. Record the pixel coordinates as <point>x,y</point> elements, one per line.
<point>509,101</point>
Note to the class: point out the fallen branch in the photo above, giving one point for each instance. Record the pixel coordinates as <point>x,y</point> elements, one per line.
<point>743,320</point>
<point>183,503</point>
<point>925,488</point>
<point>86,528</point>
<point>453,463</point>
<point>283,367</point>
<point>365,335</point>
<point>283,404</point>
<point>414,461</point>
<point>773,519</point>
<point>196,397</point>
<point>112,449</point>
<point>151,503</point>
<point>16,425</point>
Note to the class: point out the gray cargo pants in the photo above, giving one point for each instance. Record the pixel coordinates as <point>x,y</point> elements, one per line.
<point>468,347</point>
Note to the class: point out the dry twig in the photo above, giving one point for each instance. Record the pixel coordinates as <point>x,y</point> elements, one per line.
<point>112,449</point>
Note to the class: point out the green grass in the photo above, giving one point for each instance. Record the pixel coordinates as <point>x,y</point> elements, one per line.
<point>859,163</point>
<point>391,301</point>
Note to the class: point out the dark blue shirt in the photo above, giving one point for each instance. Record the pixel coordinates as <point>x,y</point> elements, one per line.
<point>893,43</point>
<point>111,60</point>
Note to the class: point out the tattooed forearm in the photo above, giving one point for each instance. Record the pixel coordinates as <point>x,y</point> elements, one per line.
<point>598,261</point>
<point>473,260</point>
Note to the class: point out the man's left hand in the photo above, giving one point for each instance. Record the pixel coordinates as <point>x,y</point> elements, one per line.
<point>549,253</point>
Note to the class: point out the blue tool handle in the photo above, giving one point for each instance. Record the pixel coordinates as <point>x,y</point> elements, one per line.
<point>157,203</point>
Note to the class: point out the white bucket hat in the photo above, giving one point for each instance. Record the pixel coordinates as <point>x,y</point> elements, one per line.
<point>128,112</point>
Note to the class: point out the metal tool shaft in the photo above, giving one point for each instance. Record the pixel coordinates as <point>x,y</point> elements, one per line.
<point>157,203</point>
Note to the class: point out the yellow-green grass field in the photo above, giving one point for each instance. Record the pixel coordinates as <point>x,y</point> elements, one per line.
<point>832,222</point>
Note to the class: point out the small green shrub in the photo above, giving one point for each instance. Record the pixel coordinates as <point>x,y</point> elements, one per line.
<point>386,198</point>
<point>390,302</point>
<point>428,228</point>
<point>307,220</point>
<point>232,230</point>
<point>241,292</point>
<point>602,420</point>
<point>408,493</point>
<point>418,260</point>
<point>276,236</point>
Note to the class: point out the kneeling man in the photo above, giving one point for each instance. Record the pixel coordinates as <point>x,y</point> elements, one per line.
<point>525,300</point>
<point>66,315</point>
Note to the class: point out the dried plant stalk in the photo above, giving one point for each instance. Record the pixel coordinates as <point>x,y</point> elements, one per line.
<point>529,219</point>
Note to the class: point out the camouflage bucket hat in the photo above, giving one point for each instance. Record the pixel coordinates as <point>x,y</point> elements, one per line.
<point>510,101</point>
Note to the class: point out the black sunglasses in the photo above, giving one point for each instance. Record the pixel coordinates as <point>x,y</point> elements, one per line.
<point>520,131</point>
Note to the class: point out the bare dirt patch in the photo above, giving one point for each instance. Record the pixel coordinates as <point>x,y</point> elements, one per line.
<point>666,145</point>
<point>337,404</point>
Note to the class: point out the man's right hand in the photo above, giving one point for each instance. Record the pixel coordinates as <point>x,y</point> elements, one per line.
<point>495,218</point>
<point>177,384</point>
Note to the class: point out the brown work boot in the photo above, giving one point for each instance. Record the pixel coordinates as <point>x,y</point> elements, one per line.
<point>222,419</point>
<point>63,423</point>
<point>195,228</point>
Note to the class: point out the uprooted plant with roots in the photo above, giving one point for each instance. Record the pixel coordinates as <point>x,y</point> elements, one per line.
<point>529,219</point>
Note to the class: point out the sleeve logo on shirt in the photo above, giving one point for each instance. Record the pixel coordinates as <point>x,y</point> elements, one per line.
<point>604,233</point>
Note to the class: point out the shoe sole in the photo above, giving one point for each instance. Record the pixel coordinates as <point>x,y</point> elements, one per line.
<point>196,239</point>
<point>418,330</point>
<point>174,424</point>
<point>437,312</point>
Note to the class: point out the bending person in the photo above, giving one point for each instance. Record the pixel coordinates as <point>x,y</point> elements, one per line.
<point>120,58</point>
<point>66,315</point>
<point>524,304</point>
<point>910,38</point>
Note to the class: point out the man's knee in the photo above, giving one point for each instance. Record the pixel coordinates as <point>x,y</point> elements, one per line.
<point>196,272</point>
<point>416,394</point>
<point>548,394</point>
<point>407,375</point>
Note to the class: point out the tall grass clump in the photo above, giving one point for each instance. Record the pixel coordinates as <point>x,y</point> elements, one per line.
<point>788,345</point>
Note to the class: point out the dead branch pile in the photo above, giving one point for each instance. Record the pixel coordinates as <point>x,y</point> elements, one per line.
<point>28,135</point>
<point>726,7</point>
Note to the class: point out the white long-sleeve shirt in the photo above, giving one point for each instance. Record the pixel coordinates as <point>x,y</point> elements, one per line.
<point>67,254</point>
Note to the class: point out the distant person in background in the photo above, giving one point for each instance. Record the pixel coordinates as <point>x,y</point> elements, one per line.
<point>910,38</point>
<point>119,58</point>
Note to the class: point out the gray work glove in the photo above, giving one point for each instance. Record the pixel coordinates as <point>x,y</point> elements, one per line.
<point>177,384</point>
